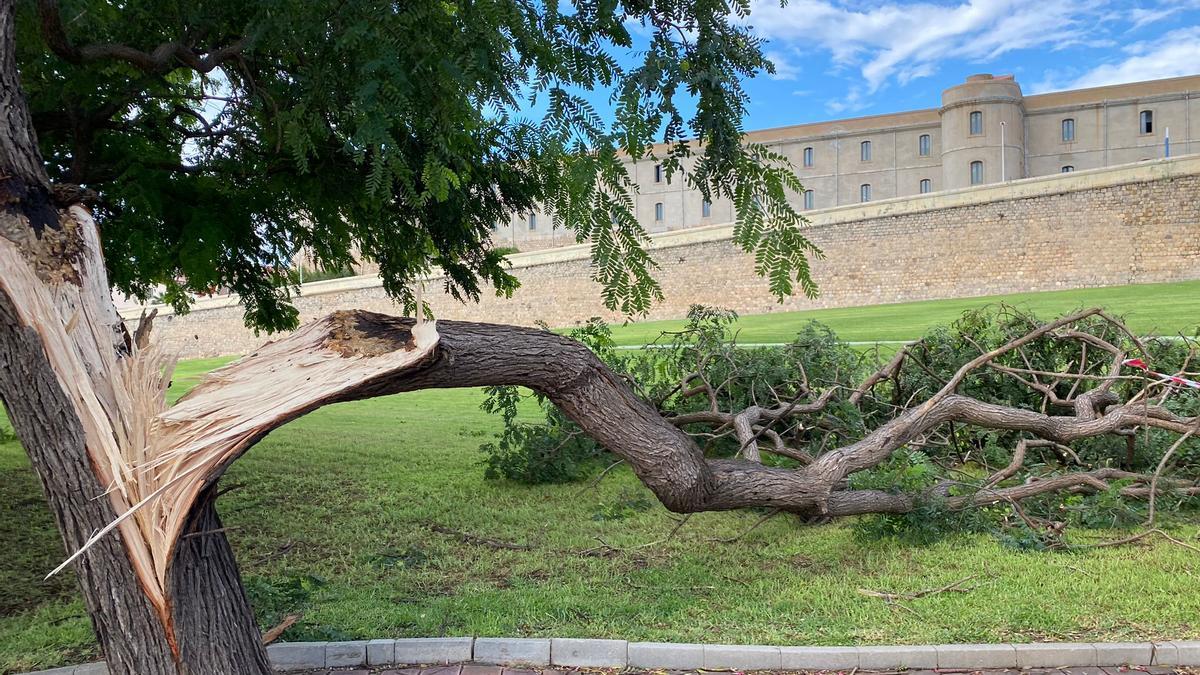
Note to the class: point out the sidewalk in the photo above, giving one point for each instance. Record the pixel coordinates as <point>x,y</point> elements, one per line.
<point>497,670</point>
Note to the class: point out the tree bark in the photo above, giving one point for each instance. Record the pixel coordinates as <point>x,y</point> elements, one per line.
<point>207,627</point>
<point>126,625</point>
<point>214,628</point>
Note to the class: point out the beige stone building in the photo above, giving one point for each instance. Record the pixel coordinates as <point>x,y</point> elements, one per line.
<point>986,131</point>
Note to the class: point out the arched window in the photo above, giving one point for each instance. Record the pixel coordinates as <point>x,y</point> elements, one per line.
<point>864,151</point>
<point>808,157</point>
<point>1146,125</point>
<point>864,192</point>
<point>658,173</point>
<point>923,145</point>
<point>533,221</point>
<point>976,122</point>
<point>1068,169</point>
<point>809,199</point>
<point>926,185</point>
<point>658,212</point>
<point>1068,130</point>
<point>706,209</point>
<point>976,172</point>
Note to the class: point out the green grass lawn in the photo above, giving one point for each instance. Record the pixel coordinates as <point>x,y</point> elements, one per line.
<point>1158,309</point>
<point>335,516</point>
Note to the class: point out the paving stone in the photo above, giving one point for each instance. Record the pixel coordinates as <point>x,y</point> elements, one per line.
<point>442,670</point>
<point>519,671</point>
<point>339,654</point>
<point>896,658</point>
<point>297,655</point>
<point>482,670</point>
<point>381,652</point>
<point>742,657</point>
<point>976,656</point>
<point>589,653</point>
<point>1123,653</point>
<point>512,651</point>
<point>433,650</point>
<point>68,670</point>
<point>819,658</point>
<point>1083,670</point>
<point>1055,654</point>
<point>666,655</point>
<point>97,668</point>
<point>404,671</point>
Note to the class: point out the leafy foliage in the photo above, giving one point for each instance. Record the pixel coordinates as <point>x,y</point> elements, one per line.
<point>701,368</point>
<point>394,132</point>
<point>556,450</point>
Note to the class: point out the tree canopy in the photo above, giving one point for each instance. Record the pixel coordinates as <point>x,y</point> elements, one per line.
<point>218,138</point>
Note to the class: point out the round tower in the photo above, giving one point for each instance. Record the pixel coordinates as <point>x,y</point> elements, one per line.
<point>977,117</point>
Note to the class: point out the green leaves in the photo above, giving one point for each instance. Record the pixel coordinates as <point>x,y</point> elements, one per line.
<point>393,132</point>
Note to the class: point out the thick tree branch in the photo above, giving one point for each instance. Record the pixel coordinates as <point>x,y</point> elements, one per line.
<point>162,59</point>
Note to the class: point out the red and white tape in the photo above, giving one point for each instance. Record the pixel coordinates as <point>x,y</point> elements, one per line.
<point>1141,365</point>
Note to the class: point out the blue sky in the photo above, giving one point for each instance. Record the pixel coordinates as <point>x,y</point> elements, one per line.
<point>847,58</point>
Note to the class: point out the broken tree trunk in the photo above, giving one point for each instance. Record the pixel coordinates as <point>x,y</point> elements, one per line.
<point>89,405</point>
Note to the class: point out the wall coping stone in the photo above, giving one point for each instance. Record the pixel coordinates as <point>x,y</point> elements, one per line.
<point>1024,188</point>
<point>673,656</point>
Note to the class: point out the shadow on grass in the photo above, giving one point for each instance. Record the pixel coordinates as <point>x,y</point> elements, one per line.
<point>30,544</point>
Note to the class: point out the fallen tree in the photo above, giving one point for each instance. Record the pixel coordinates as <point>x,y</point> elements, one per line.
<point>111,434</point>
<point>169,152</point>
<point>339,133</point>
<point>1002,408</point>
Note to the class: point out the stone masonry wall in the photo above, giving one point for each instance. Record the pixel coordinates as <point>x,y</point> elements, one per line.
<point>1112,228</point>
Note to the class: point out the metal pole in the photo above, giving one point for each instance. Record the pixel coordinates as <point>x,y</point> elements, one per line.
<point>1003,173</point>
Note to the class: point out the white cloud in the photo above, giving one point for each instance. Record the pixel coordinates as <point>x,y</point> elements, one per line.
<point>852,102</point>
<point>786,67</point>
<point>902,42</point>
<point>1144,16</point>
<point>1175,54</point>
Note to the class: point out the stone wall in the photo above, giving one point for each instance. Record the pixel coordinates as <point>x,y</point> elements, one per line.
<point>1124,225</point>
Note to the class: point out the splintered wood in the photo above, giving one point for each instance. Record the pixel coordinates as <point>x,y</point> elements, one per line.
<point>155,460</point>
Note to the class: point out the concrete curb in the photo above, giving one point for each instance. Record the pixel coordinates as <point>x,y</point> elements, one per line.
<point>579,653</point>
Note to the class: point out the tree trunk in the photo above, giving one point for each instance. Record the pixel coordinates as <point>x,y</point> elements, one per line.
<point>58,329</point>
<point>214,627</point>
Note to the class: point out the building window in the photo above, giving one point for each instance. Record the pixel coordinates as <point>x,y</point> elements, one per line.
<point>809,199</point>
<point>926,185</point>
<point>706,209</point>
<point>923,144</point>
<point>1068,130</point>
<point>808,157</point>
<point>976,122</point>
<point>1146,125</point>
<point>658,212</point>
<point>658,173</point>
<point>1068,169</point>
<point>864,192</point>
<point>864,151</point>
<point>533,221</point>
<point>976,172</point>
